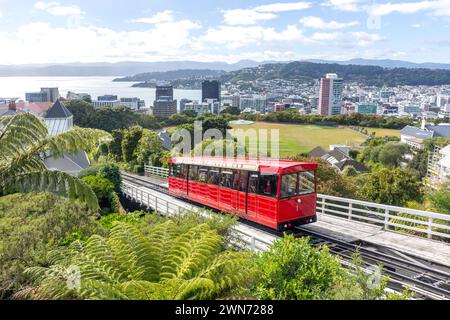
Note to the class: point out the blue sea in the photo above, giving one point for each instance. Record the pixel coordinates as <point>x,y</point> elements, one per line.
<point>15,87</point>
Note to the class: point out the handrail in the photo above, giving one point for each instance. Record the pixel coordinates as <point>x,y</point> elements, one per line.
<point>171,207</point>
<point>390,218</point>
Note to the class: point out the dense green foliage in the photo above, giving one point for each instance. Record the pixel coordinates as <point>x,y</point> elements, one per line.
<point>136,147</point>
<point>104,190</point>
<point>108,170</point>
<point>368,75</point>
<point>129,265</point>
<point>294,270</point>
<point>30,224</point>
<point>390,186</point>
<point>24,139</point>
<point>390,154</point>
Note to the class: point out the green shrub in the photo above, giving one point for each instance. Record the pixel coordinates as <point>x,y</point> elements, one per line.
<point>104,190</point>
<point>30,224</point>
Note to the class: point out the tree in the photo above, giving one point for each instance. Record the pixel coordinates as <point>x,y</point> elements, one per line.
<point>24,139</point>
<point>82,111</point>
<point>30,224</point>
<point>441,201</point>
<point>104,190</point>
<point>390,186</point>
<point>231,110</point>
<point>108,170</point>
<point>165,265</point>
<point>130,141</point>
<point>149,149</point>
<point>419,163</point>
<point>392,154</point>
<point>113,118</point>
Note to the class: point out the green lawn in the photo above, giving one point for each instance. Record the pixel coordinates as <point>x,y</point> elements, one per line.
<point>295,139</point>
<point>384,132</point>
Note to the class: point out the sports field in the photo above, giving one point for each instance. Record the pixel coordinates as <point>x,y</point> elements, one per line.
<point>385,132</point>
<point>295,139</point>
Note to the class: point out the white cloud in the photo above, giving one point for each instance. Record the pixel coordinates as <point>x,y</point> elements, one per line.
<point>35,43</point>
<point>261,13</point>
<point>56,9</point>
<point>345,5</point>
<point>246,16</point>
<point>416,25</point>
<point>234,37</point>
<point>160,17</point>
<point>347,40</point>
<point>283,6</point>
<point>435,7</point>
<point>319,23</point>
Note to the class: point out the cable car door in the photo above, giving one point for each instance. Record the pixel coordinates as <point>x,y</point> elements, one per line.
<point>252,194</point>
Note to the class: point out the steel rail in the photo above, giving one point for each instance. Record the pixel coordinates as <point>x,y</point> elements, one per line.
<point>393,266</point>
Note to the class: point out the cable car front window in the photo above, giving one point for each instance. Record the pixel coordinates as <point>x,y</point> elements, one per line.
<point>289,184</point>
<point>307,182</point>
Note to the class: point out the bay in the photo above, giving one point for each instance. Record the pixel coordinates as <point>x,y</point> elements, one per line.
<point>15,87</point>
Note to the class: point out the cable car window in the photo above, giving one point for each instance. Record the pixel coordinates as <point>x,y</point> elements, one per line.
<point>289,184</point>
<point>253,183</point>
<point>214,176</point>
<point>178,171</point>
<point>307,183</point>
<point>184,171</point>
<point>203,174</point>
<point>193,173</point>
<point>243,181</point>
<point>268,185</point>
<point>228,179</point>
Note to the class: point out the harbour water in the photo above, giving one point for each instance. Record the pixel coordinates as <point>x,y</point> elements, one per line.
<point>15,87</point>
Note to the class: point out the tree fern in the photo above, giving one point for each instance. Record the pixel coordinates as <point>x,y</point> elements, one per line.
<point>24,142</point>
<point>130,265</point>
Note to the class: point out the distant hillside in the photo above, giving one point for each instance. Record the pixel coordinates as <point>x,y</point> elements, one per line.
<point>173,75</point>
<point>115,69</point>
<point>388,63</point>
<point>369,75</point>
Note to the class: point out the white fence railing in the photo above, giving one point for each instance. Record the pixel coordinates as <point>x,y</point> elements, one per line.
<point>390,218</point>
<point>155,171</point>
<point>433,225</point>
<point>171,208</point>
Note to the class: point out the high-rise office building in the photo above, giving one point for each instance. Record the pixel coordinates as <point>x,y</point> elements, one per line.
<point>164,93</point>
<point>45,95</point>
<point>164,105</point>
<point>211,90</point>
<point>330,97</point>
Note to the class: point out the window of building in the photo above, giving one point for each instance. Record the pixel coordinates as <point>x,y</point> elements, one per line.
<point>253,183</point>
<point>214,176</point>
<point>228,179</point>
<point>289,184</point>
<point>307,182</point>
<point>193,173</point>
<point>268,185</point>
<point>243,181</point>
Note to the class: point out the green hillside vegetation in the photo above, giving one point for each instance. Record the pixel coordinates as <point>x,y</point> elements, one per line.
<point>368,75</point>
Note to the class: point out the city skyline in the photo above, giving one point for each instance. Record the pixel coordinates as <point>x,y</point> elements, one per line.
<point>137,30</point>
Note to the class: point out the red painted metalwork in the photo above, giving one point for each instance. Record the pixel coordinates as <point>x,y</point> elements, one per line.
<point>277,194</point>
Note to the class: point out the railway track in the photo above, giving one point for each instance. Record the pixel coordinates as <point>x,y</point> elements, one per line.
<point>428,280</point>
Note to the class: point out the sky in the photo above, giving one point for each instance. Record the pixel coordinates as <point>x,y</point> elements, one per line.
<point>63,31</point>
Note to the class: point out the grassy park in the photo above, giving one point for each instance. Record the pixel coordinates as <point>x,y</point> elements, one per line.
<point>295,139</point>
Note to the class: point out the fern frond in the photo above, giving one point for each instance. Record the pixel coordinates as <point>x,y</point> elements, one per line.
<point>51,181</point>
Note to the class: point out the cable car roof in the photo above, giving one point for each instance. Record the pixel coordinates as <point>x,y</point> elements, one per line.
<point>263,165</point>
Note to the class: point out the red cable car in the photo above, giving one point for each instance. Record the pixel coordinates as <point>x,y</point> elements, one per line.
<point>277,194</point>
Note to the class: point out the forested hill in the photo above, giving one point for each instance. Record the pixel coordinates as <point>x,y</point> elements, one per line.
<point>173,75</point>
<point>369,75</point>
